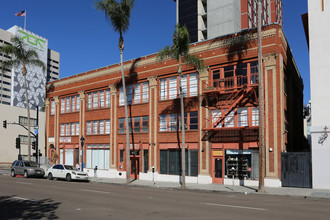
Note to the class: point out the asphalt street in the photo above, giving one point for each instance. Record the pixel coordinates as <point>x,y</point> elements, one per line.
<point>31,198</point>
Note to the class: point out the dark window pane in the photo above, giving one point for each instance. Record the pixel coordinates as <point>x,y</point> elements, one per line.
<point>163,162</point>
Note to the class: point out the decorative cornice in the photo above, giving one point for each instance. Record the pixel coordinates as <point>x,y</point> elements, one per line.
<point>81,95</point>
<point>57,101</point>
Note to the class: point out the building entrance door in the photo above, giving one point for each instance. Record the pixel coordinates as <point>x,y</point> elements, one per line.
<point>135,168</point>
<point>217,165</point>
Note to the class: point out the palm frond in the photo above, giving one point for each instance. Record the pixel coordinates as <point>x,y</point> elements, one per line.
<point>194,61</point>
<point>37,62</point>
<point>165,53</point>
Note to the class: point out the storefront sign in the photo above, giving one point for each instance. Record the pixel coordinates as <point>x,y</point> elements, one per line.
<point>51,139</point>
<point>218,153</point>
<point>65,139</point>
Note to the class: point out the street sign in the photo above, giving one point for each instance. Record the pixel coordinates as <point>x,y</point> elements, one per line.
<point>36,131</point>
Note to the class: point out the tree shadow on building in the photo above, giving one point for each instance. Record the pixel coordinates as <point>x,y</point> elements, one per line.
<point>11,207</point>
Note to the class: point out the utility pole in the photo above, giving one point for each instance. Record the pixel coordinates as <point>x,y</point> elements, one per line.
<point>261,106</point>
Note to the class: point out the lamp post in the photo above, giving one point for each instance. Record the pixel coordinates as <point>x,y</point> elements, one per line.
<point>82,139</point>
<point>36,131</point>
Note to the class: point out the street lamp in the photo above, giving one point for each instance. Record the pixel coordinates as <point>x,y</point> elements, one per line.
<point>82,139</point>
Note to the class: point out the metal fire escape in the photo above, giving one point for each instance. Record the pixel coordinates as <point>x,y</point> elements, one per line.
<point>230,99</point>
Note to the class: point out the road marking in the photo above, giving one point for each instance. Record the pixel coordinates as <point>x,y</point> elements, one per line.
<point>234,206</point>
<point>87,190</point>
<point>21,198</point>
<point>24,183</point>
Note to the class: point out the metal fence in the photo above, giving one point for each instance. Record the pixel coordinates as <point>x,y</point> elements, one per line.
<point>296,169</point>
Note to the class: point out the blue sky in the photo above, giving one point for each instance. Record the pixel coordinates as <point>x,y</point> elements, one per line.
<point>86,40</point>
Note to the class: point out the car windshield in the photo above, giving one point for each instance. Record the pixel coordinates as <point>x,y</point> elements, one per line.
<point>67,167</point>
<point>30,164</point>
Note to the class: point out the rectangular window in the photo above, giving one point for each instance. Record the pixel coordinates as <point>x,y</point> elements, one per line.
<point>89,128</point>
<point>98,155</point>
<point>137,124</point>
<point>95,100</point>
<point>162,122</point>
<point>193,84</point>
<point>73,130</point>
<point>67,129</point>
<point>77,128</point>
<point>184,86</point>
<point>129,93</point>
<point>255,116</point>
<point>52,107</point>
<point>163,89</point>
<point>137,93</point>
<point>62,105</point>
<point>107,98</point>
<point>242,117</point>
<point>78,103</point>
<point>101,127</point>
<point>107,126</point>
<point>101,100</point>
<point>145,123</point>
<point>94,127</point>
<point>173,88</point>
<point>89,101</point>
<point>229,120</point>
<point>121,156</point>
<point>122,125</point>
<point>73,103</point>
<point>193,121</point>
<point>121,96</point>
<point>67,109</point>
<point>145,92</point>
<point>62,129</point>
<point>172,124</point>
<point>145,161</point>
<point>216,114</point>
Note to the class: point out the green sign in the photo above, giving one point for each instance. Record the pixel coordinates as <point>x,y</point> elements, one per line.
<point>32,39</point>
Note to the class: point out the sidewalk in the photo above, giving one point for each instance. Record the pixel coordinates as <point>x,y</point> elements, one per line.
<point>281,191</point>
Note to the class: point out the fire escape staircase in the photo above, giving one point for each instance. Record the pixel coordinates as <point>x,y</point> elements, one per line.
<point>236,99</point>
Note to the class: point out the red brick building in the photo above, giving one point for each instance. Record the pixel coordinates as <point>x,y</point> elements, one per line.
<point>221,105</point>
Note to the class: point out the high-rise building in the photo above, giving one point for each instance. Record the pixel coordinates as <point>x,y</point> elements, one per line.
<point>11,87</point>
<point>12,94</point>
<point>207,19</point>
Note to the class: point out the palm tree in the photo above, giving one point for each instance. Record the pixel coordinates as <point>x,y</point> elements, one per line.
<point>119,14</point>
<point>179,52</point>
<point>22,58</point>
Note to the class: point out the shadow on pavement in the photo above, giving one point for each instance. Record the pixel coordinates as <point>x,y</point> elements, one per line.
<point>12,207</point>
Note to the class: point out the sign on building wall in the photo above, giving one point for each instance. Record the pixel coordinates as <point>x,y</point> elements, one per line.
<point>36,78</point>
<point>65,139</point>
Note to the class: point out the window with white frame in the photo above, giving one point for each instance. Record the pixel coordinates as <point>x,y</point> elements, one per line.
<point>52,107</point>
<point>101,127</point>
<point>67,129</point>
<point>73,128</point>
<point>89,128</point>
<point>107,126</point>
<point>136,93</point>
<point>229,120</point>
<point>255,116</point>
<point>98,155</point>
<point>242,117</point>
<point>98,99</point>
<point>70,104</point>
<point>172,122</point>
<point>216,114</point>
<point>94,127</point>
<point>98,127</point>
<point>62,129</point>
<point>169,86</point>
<point>137,124</point>
<point>77,128</point>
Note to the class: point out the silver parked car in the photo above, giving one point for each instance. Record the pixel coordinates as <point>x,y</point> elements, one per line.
<point>68,172</point>
<point>26,168</point>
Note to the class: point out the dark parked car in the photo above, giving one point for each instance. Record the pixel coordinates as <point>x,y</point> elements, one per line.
<point>26,168</point>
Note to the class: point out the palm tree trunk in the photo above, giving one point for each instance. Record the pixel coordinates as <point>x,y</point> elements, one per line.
<point>126,117</point>
<point>183,148</point>
<point>261,106</point>
<point>28,116</point>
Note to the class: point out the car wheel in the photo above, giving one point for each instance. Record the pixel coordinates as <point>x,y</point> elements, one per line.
<point>26,175</point>
<point>13,173</point>
<point>50,176</point>
<point>68,177</point>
